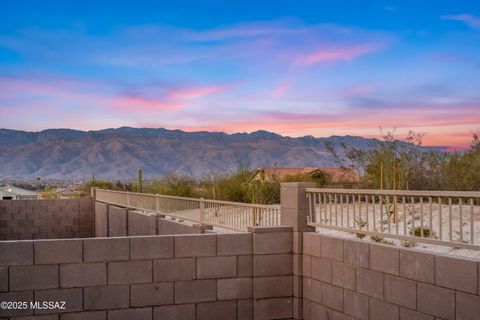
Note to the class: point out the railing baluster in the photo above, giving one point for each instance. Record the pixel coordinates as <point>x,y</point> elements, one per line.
<point>395,213</point>
<point>404,216</point>
<point>367,205</point>
<point>412,199</point>
<point>440,218</point>
<point>381,213</point>
<point>309,216</point>
<point>360,210</point>
<point>472,230</point>
<point>449,219</point>
<point>460,205</point>
<point>421,217</point>
<point>354,211</point>
<point>430,223</point>
<point>347,198</point>
<point>330,210</point>
<point>341,209</point>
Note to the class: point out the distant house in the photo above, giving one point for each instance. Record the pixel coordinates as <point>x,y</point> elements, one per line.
<point>334,175</point>
<point>14,193</point>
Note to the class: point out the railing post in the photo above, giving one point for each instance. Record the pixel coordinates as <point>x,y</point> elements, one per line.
<point>294,210</point>
<point>128,199</point>
<point>157,202</point>
<point>202,210</point>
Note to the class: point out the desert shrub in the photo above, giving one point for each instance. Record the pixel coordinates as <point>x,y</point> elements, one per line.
<point>404,164</point>
<point>318,177</point>
<point>263,192</point>
<point>376,238</point>
<point>385,241</point>
<point>408,243</point>
<point>172,185</point>
<point>361,223</point>
<point>462,172</point>
<point>235,186</point>
<point>417,232</point>
<point>49,193</point>
<point>101,184</point>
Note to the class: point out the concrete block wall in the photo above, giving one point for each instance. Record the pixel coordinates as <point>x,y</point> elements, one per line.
<point>166,226</point>
<point>353,279</point>
<point>147,277</point>
<point>272,273</point>
<point>113,221</point>
<point>46,219</point>
<point>294,211</point>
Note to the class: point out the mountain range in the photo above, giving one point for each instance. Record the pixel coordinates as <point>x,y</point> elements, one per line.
<point>117,153</point>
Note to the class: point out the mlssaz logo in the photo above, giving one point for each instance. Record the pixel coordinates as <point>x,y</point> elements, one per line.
<point>47,305</point>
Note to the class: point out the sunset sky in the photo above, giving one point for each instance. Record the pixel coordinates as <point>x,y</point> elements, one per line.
<point>297,68</point>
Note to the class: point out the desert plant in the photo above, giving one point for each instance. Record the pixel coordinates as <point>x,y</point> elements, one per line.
<point>408,243</point>
<point>49,193</point>
<point>385,241</point>
<point>420,232</point>
<point>318,177</point>
<point>376,238</point>
<point>361,223</point>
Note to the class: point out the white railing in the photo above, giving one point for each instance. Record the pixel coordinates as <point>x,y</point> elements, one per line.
<point>226,214</point>
<point>449,218</point>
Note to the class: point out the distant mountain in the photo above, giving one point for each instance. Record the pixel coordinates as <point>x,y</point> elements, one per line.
<point>117,153</point>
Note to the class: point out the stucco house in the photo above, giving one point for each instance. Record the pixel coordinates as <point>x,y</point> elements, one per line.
<point>14,193</point>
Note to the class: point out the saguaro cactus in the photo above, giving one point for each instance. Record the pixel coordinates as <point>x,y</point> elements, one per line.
<point>139,180</point>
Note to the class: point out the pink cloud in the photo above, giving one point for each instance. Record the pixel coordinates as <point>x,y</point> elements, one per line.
<point>143,104</point>
<point>190,93</point>
<point>100,94</point>
<point>440,126</point>
<point>469,19</point>
<point>353,91</point>
<point>281,89</point>
<point>337,54</point>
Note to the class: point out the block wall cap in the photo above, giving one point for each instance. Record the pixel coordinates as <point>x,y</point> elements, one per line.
<point>270,229</point>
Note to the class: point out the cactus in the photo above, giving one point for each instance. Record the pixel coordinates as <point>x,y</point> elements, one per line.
<point>139,180</point>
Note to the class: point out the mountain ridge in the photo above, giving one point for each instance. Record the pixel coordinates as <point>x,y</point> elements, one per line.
<point>116,153</point>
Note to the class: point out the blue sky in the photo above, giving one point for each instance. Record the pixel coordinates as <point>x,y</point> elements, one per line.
<point>297,68</point>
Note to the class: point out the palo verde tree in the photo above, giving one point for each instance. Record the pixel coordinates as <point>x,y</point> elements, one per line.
<point>393,163</point>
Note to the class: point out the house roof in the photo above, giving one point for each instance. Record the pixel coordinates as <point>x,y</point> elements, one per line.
<point>11,190</point>
<point>334,174</point>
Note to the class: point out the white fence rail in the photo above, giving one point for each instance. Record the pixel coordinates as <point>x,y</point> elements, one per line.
<point>449,218</point>
<point>226,214</point>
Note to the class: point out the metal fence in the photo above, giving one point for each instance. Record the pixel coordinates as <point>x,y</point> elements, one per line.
<point>449,218</point>
<point>226,214</point>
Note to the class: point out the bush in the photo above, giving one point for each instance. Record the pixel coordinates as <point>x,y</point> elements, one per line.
<point>417,232</point>
<point>376,238</point>
<point>403,164</point>
<point>318,177</point>
<point>235,187</point>
<point>172,185</point>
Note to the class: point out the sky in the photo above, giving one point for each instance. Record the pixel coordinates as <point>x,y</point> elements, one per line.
<point>296,68</point>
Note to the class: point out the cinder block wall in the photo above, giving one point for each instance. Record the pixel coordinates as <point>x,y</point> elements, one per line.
<point>352,279</point>
<point>152,277</point>
<point>46,219</point>
<point>273,273</point>
<point>113,221</point>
